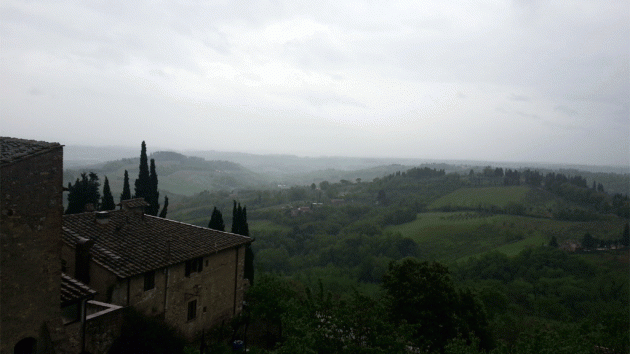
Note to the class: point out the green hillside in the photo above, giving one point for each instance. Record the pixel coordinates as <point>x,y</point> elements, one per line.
<point>473,197</point>
<point>450,236</point>
<point>177,174</point>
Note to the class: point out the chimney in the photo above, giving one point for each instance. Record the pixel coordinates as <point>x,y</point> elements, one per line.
<point>102,217</point>
<point>82,260</point>
<point>134,206</point>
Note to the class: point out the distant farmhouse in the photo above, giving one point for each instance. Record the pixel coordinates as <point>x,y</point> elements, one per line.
<point>190,276</point>
<point>64,280</point>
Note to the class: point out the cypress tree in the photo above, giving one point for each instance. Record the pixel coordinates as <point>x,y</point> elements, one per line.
<point>235,221</point>
<point>165,208</point>
<point>240,227</point>
<point>108,199</point>
<point>244,226</point>
<point>216,220</point>
<point>126,193</point>
<point>143,182</point>
<point>153,197</point>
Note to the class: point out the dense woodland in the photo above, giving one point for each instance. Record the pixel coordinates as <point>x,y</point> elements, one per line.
<point>423,260</point>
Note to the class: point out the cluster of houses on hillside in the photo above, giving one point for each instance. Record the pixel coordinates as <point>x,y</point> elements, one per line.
<point>66,280</point>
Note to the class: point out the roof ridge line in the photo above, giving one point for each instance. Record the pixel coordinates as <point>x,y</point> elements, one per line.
<point>197,226</point>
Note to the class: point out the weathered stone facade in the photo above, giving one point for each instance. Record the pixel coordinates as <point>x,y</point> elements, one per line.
<point>218,289</point>
<point>31,188</point>
<point>189,276</point>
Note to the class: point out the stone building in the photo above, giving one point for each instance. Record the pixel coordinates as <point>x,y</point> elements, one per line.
<point>31,188</point>
<point>190,276</point>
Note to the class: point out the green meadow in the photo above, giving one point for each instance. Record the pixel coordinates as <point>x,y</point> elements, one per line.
<point>452,236</point>
<point>474,197</point>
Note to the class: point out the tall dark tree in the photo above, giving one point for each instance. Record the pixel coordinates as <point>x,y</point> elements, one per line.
<point>589,241</point>
<point>108,199</point>
<point>126,193</point>
<point>216,220</point>
<point>164,208</point>
<point>244,225</point>
<point>240,226</point>
<point>154,196</point>
<point>236,223</point>
<point>84,191</point>
<point>625,236</point>
<point>143,182</point>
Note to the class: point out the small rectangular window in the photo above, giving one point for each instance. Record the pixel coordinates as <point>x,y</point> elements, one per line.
<point>192,310</point>
<point>194,266</point>
<point>149,280</point>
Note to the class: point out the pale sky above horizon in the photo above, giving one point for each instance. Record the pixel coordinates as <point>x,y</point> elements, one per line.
<point>522,80</point>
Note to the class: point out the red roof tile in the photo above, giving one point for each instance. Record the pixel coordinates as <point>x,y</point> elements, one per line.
<point>130,244</point>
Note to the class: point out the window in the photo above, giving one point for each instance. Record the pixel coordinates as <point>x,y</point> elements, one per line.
<point>192,310</point>
<point>149,280</point>
<point>194,265</point>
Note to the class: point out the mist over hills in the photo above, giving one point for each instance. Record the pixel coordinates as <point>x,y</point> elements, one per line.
<point>190,172</point>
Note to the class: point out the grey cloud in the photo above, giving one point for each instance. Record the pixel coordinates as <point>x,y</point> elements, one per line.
<point>527,115</point>
<point>35,92</point>
<point>566,110</point>
<point>101,58</point>
<point>317,52</point>
<point>319,99</point>
<point>520,98</point>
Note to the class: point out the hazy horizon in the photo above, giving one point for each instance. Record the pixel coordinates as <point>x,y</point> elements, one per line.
<point>105,153</point>
<point>517,81</point>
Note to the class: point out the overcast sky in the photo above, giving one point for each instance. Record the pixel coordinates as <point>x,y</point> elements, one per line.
<point>522,80</point>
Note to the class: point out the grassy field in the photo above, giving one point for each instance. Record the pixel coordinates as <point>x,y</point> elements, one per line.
<point>266,226</point>
<point>473,197</point>
<point>451,236</point>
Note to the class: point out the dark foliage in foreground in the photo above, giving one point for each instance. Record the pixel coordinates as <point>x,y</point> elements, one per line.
<point>141,334</point>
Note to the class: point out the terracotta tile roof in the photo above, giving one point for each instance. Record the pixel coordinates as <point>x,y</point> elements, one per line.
<point>13,149</point>
<point>130,243</point>
<point>73,290</point>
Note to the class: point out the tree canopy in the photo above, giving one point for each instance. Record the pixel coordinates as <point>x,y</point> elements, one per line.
<point>423,295</point>
<point>84,191</point>
<point>216,220</point>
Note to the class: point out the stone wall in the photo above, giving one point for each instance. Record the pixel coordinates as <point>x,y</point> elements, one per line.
<point>102,328</point>
<point>30,239</point>
<point>217,289</point>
